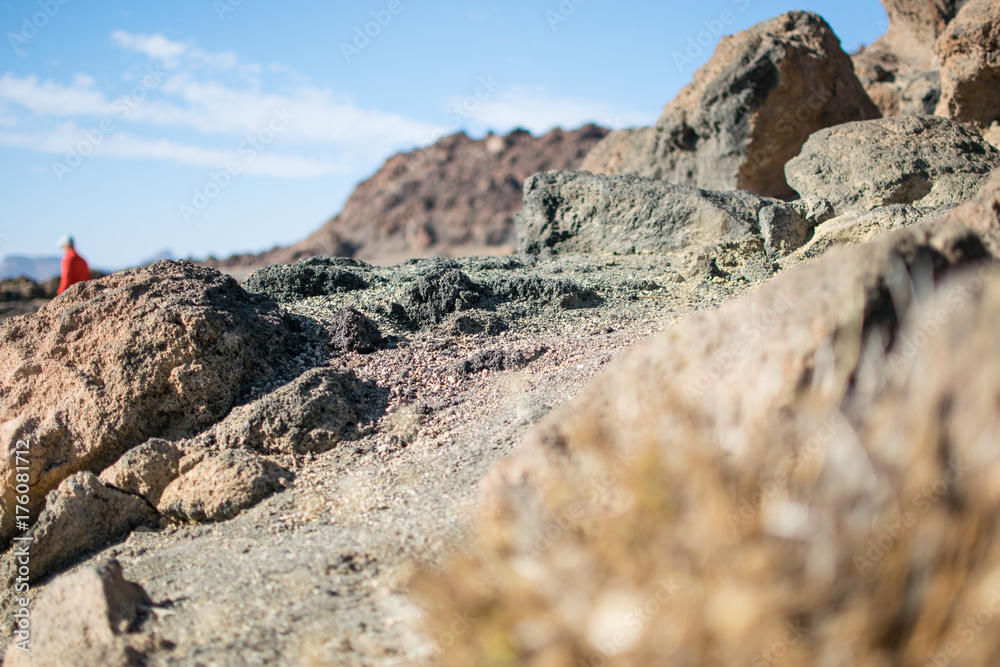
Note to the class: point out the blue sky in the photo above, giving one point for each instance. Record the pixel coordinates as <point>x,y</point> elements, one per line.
<point>222,126</point>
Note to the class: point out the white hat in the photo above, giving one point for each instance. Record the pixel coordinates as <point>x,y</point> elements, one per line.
<point>66,240</point>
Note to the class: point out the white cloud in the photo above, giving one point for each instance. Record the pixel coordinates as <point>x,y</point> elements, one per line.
<point>49,98</point>
<point>173,54</point>
<point>157,47</point>
<point>66,136</point>
<point>535,109</point>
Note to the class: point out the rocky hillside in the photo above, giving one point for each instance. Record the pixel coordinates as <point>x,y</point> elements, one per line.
<point>678,426</point>
<point>454,197</point>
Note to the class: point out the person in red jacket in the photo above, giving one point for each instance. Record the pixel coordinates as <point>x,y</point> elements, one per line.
<point>74,267</point>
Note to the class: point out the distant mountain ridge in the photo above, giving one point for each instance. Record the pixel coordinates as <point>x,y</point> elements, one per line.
<point>38,269</point>
<point>456,196</point>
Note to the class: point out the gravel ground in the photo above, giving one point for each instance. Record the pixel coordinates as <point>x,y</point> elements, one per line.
<point>316,575</point>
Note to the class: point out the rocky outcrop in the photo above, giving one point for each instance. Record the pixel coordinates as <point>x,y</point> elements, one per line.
<point>215,487</point>
<point>575,211</point>
<point>456,196</point>
<point>969,50</point>
<point>89,617</point>
<point>164,351</point>
<point>920,160</point>
<point>900,70</point>
<point>748,111</point>
<point>848,497</point>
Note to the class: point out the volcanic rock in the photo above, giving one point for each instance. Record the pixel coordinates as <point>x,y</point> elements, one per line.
<point>854,482</point>
<point>748,111</point>
<point>218,486</point>
<point>161,351</point>
<point>920,160</point>
<point>969,51</point>
<point>575,211</point>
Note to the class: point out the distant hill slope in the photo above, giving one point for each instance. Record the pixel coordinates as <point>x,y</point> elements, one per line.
<point>455,196</point>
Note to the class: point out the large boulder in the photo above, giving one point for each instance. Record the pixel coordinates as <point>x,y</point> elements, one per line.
<point>921,160</point>
<point>89,617</point>
<point>810,468</point>
<point>576,211</point>
<point>748,111</point>
<point>161,351</point>
<point>969,51</point>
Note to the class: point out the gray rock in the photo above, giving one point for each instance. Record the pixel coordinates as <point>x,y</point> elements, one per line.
<point>220,485</point>
<point>310,414</point>
<point>576,211</point>
<point>353,331</point>
<point>88,617</point>
<point>313,276</point>
<point>547,291</point>
<point>438,293</point>
<point>858,227</point>
<point>501,359</point>
<point>80,516</point>
<point>747,112</point>
<point>921,160</point>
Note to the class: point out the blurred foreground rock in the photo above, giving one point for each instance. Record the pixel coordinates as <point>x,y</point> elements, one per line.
<point>819,456</point>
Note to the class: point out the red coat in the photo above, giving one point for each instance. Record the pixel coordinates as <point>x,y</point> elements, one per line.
<point>74,270</point>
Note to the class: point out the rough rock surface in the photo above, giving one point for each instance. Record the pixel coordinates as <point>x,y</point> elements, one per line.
<point>748,111</point>
<point>308,415</point>
<point>456,195</point>
<point>575,211</point>
<point>920,160</point>
<point>859,227</point>
<point>81,515</point>
<point>146,470</point>
<point>969,51</point>
<point>162,351</point>
<point>848,499</point>
<point>312,276</point>
<point>217,486</point>
<point>353,331</point>
<point>88,617</point>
